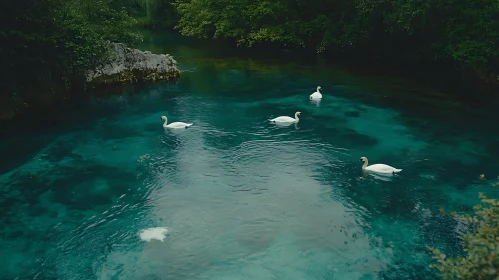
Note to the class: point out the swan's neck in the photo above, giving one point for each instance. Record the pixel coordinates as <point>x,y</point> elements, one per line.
<point>318,89</point>
<point>166,120</point>
<point>365,164</point>
<point>296,117</point>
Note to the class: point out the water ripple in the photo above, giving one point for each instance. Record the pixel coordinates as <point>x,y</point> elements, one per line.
<point>241,197</point>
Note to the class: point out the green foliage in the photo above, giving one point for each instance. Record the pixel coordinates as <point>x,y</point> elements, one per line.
<point>462,32</point>
<point>250,22</point>
<point>481,246</point>
<point>150,13</point>
<point>47,45</point>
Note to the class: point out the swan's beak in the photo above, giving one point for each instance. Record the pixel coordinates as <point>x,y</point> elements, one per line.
<point>360,159</point>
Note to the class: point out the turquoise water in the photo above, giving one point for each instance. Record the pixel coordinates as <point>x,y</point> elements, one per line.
<point>243,198</point>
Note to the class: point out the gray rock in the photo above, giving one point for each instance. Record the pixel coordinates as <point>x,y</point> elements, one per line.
<point>128,65</point>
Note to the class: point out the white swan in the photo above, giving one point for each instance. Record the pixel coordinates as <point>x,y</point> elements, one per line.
<point>286,119</point>
<point>379,168</point>
<point>317,94</point>
<point>175,124</point>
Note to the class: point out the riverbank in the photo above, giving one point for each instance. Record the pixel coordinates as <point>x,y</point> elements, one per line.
<point>435,75</point>
<point>123,66</point>
<point>381,30</point>
<point>432,76</point>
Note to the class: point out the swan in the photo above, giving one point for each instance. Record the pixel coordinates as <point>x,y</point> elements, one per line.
<point>317,94</point>
<point>379,168</point>
<point>175,124</point>
<point>286,119</point>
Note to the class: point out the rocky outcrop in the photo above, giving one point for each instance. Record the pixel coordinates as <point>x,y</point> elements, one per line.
<point>128,65</point>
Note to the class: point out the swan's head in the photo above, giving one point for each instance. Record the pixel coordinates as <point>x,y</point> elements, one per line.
<point>163,118</point>
<point>363,159</point>
<point>298,113</point>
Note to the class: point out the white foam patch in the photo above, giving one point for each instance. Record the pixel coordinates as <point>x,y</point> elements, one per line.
<point>158,233</point>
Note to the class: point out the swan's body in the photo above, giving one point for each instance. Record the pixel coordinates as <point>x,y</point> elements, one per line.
<point>317,94</point>
<point>175,124</point>
<point>379,168</point>
<point>286,119</point>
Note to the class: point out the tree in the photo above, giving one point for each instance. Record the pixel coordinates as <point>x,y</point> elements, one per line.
<point>150,13</point>
<point>481,246</point>
<point>464,33</point>
<point>47,45</point>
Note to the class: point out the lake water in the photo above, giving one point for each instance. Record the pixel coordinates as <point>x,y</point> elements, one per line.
<point>243,198</point>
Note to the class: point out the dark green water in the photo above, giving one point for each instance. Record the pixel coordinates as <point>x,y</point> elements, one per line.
<point>243,198</point>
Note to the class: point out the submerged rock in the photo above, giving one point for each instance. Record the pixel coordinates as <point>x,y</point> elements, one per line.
<point>127,65</point>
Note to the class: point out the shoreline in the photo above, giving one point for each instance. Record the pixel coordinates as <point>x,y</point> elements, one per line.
<point>433,76</point>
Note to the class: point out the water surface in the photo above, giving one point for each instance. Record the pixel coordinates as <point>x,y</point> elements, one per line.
<point>243,198</point>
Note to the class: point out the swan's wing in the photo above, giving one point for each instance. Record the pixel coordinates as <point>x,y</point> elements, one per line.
<point>179,124</point>
<point>284,119</point>
<point>381,168</point>
<point>315,95</point>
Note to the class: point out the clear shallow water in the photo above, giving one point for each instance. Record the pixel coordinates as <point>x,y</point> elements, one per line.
<point>243,198</point>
